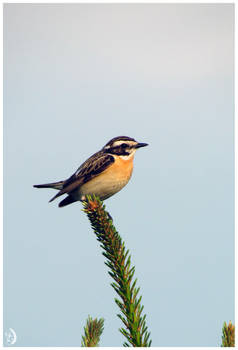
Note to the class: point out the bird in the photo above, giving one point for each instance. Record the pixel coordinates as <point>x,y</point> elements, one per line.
<point>103,174</point>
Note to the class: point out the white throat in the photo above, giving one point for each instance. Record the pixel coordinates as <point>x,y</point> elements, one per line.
<point>129,156</point>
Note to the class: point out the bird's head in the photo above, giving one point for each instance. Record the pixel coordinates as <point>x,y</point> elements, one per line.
<point>123,146</point>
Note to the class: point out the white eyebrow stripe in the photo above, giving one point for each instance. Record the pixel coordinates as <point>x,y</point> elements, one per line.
<point>119,143</point>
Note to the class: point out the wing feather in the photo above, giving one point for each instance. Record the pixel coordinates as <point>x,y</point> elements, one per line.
<point>91,168</point>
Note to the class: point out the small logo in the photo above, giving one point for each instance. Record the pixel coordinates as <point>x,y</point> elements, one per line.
<point>10,336</point>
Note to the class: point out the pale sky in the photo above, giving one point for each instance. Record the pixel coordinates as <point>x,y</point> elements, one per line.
<point>75,76</point>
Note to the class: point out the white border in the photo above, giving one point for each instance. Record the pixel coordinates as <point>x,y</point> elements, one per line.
<point>1,156</point>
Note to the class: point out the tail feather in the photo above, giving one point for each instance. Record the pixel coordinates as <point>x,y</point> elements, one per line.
<point>56,185</point>
<point>68,200</point>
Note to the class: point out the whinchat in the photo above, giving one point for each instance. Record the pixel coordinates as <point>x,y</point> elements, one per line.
<point>103,174</point>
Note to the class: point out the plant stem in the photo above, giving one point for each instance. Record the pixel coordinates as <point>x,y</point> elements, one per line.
<point>119,263</point>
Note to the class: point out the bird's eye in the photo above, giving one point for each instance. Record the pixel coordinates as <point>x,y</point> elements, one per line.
<point>124,145</point>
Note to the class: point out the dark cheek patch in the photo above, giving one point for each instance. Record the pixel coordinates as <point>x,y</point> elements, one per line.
<point>125,153</point>
<point>121,151</point>
<point>118,150</point>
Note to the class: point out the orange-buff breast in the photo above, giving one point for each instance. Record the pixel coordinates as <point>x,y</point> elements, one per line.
<point>121,169</point>
<point>110,181</point>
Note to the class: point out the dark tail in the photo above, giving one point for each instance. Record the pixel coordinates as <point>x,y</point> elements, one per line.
<point>68,200</point>
<point>56,185</point>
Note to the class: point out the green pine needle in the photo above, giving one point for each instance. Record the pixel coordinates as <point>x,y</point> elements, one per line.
<point>119,263</point>
<point>228,335</point>
<point>92,332</point>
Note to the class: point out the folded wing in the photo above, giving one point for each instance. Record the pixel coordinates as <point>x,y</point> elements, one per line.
<point>91,168</point>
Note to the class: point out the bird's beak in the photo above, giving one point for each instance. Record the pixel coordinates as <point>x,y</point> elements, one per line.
<point>141,145</point>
